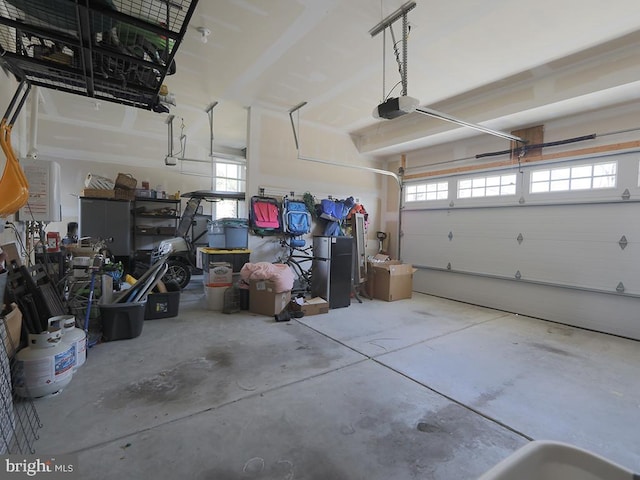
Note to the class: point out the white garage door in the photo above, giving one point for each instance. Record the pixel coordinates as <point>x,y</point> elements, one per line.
<point>559,241</point>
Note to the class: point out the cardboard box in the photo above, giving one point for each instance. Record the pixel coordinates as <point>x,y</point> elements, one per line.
<point>382,258</point>
<point>263,298</point>
<point>13,328</point>
<point>311,306</point>
<point>390,280</point>
<point>377,259</point>
<point>11,251</point>
<point>98,193</point>
<point>220,274</point>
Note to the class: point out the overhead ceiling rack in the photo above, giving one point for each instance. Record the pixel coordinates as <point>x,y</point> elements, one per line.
<point>113,50</point>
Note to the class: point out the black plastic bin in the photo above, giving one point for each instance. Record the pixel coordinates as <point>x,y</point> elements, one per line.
<point>162,305</point>
<point>122,321</point>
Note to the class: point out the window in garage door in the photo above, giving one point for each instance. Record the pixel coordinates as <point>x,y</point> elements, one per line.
<point>579,177</point>
<point>490,186</point>
<point>427,191</point>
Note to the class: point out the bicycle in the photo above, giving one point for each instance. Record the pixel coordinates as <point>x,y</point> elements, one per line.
<point>299,258</point>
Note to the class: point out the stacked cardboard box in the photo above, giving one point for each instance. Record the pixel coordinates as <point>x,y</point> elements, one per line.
<point>388,279</point>
<point>265,300</point>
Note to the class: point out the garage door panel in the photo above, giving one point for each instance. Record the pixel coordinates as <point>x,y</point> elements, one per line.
<point>425,250</point>
<point>589,265</point>
<point>598,263</point>
<point>609,313</point>
<point>603,223</point>
<point>591,247</point>
<point>477,255</point>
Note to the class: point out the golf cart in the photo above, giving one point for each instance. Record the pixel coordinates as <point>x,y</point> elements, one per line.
<point>182,259</point>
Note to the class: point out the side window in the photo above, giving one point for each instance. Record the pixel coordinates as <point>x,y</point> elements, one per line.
<point>580,177</point>
<point>426,192</point>
<point>491,186</point>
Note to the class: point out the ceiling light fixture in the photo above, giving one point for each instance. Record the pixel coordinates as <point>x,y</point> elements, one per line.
<point>204,32</point>
<point>395,107</point>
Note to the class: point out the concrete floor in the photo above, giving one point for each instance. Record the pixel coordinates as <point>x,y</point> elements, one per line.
<point>416,389</point>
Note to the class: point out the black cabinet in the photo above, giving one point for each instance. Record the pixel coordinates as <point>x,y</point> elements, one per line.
<point>107,220</point>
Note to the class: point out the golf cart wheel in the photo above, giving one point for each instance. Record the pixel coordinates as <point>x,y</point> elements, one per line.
<point>179,272</point>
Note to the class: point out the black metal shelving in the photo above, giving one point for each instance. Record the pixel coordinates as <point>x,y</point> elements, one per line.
<point>113,50</point>
<point>160,217</point>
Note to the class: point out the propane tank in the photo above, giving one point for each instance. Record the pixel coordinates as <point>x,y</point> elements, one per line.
<point>45,366</point>
<point>71,335</point>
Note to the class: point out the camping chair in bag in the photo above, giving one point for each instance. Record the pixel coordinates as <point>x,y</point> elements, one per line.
<point>335,212</point>
<point>264,216</point>
<point>296,220</point>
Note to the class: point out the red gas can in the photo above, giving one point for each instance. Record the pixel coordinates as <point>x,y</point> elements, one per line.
<point>53,241</point>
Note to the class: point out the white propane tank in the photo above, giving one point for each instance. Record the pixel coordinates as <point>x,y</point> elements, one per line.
<point>45,366</point>
<point>72,335</point>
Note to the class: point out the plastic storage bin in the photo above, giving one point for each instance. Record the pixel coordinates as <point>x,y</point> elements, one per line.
<point>162,305</point>
<point>546,460</point>
<point>121,321</point>
<point>237,258</point>
<point>215,235</point>
<point>236,233</point>
<point>228,233</point>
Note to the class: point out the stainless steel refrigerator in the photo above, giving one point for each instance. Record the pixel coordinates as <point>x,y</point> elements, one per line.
<point>332,270</point>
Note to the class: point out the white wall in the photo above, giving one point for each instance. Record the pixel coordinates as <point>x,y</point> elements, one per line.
<point>272,163</point>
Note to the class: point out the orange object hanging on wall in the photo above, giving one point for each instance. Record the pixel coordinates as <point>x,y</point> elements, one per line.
<point>14,188</point>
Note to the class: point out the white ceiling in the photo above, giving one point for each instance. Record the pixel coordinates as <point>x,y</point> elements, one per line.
<point>505,63</point>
